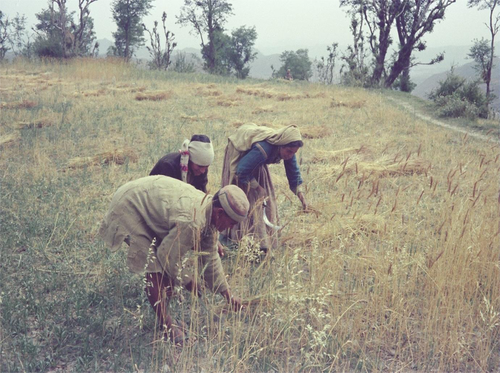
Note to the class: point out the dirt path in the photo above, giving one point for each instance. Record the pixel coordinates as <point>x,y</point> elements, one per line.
<point>427,118</point>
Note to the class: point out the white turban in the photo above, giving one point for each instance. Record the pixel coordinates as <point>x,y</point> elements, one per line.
<point>201,153</point>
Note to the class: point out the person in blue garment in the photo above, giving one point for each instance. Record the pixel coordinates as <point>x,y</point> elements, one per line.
<point>248,152</point>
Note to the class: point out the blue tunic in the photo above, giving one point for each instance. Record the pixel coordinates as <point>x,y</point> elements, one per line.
<point>264,153</point>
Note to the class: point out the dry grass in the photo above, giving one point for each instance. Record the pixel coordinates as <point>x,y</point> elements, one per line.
<point>395,267</point>
<point>316,132</point>
<point>352,104</point>
<point>116,156</point>
<point>153,96</point>
<point>9,139</point>
<point>263,109</point>
<point>24,104</point>
<point>383,168</point>
<point>37,123</point>
<point>331,156</point>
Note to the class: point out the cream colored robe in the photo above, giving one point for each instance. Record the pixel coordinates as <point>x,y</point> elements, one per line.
<point>173,212</point>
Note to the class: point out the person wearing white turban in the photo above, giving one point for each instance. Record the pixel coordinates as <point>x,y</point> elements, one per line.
<point>190,164</point>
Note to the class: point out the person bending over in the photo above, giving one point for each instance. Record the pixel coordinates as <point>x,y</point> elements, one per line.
<point>190,164</point>
<point>161,219</point>
<point>248,152</point>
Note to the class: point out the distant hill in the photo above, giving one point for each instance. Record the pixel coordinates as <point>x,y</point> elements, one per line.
<point>260,68</point>
<point>466,71</point>
<point>426,77</point>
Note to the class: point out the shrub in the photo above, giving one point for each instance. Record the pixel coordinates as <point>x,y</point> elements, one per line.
<point>454,107</point>
<point>457,97</point>
<point>182,65</point>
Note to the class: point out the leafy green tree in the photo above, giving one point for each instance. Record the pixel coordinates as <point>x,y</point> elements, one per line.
<point>482,55</point>
<point>129,35</point>
<point>207,18</point>
<point>240,50</point>
<point>298,63</point>
<point>58,35</point>
<point>220,45</point>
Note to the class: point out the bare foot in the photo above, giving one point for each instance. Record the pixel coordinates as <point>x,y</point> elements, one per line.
<point>178,334</point>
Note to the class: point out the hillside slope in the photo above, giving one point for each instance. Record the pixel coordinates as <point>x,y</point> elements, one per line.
<point>466,71</point>
<point>393,268</point>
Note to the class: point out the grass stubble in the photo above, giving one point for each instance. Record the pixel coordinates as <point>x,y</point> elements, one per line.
<point>396,267</point>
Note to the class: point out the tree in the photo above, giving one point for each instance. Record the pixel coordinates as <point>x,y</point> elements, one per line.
<point>413,23</point>
<point>376,20</point>
<point>354,58</point>
<point>128,16</point>
<point>208,17</point>
<point>220,45</point>
<point>326,66</point>
<point>4,35</point>
<point>58,35</point>
<point>298,62</point>
<point>480,53</point>
<point>240,50</point>
<point>493,26</point>
<point>379,17</point>
<point>161,58</point>
<point>20,41</point>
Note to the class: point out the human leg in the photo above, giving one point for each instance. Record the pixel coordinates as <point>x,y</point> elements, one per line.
<point>159,290</point>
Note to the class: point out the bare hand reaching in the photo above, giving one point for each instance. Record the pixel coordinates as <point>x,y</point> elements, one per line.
<point>235,302</point>
<point>302,199</point>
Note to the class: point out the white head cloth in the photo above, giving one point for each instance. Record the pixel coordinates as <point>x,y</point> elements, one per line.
<point>200,153</point>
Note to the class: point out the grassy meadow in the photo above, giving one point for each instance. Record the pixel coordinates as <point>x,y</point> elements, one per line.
<point>396,268</point>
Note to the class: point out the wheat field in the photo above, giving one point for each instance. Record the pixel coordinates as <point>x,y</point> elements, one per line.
<point>396,267</point>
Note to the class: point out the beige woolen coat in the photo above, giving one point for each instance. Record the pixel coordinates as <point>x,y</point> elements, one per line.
<point>173,212</point>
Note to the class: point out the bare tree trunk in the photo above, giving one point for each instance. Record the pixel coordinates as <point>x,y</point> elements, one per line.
<point>380,59</point>
<point>401,63</point>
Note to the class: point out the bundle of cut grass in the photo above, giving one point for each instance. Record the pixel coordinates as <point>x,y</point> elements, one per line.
<point>24,104</point>
<point>201,91</point>
<point>228,102</point>
<point>409,167</point>
<point>320,156</point>
<point>255,92</point>
<point>91,93</point>
<point>153,96</point>
<point>191,118</point>
<point>351,104</point>
<point>315,132</point>
<point>263,109</point>
<point>9,139</point>
<point>116,156</point>
<point>37,123</point>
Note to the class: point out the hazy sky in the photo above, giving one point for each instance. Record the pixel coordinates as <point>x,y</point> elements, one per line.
<point>280,24</point>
